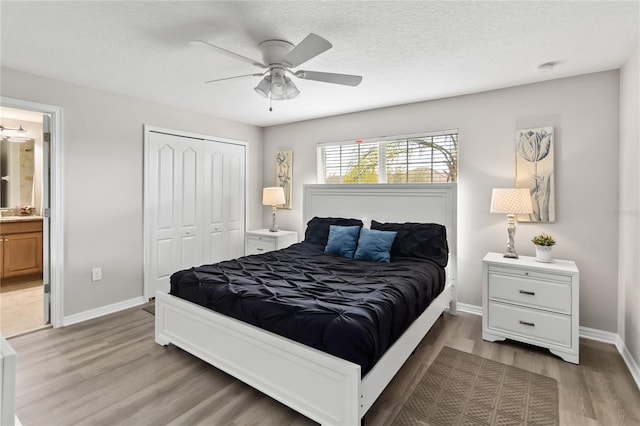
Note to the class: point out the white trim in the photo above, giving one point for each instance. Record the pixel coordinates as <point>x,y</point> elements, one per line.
<point>103,310</point>
<point>587,333</point>
<point>470,309</point>
<point>7,383</point>
<point>151,128</point>
<point>633,367</point>
<point>387,138</point>
<point>599,335</point>
<point>614,339</point>
<point>56,204</point>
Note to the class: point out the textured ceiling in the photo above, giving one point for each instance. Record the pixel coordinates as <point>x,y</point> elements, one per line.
<point>406,51</point>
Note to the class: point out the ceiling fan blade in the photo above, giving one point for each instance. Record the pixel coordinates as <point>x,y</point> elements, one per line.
<point>310,47</point>
<point>237,76</point>
<point>328,77</point>
<point>227,53</point>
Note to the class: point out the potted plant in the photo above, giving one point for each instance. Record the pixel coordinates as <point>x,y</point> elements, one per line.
<point>543,243</point>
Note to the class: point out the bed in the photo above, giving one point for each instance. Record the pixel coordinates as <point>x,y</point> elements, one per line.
<point>327,386</point>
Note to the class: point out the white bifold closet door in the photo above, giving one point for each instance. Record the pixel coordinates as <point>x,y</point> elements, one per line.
<point>196,205</point>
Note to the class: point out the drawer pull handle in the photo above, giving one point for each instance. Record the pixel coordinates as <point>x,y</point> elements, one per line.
<point>530,324</point>
<point>526,273</point>
<point>259,249</point>
<point>530,293</point>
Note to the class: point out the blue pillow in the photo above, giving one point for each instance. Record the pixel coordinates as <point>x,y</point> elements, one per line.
<point>375,245</point>
<point>342,240</point>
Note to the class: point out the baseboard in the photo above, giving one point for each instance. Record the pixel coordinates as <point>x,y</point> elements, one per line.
<point>585,333</point>
<point>599,335</point>
<point>470,309</point>
<point>614,339</point>
<point>632,365</point>
<point>103,310</point>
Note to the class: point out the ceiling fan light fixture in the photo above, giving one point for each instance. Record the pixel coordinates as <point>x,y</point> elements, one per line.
<point>287,90</point>
<point>263,87</point>
<point>21,133</point>
<point>279,56</point>
<point>14,135</point>
<point>291,91</point>
<point>278,87</point>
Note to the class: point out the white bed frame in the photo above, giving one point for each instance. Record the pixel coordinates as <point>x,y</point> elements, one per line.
<point>323,387</point>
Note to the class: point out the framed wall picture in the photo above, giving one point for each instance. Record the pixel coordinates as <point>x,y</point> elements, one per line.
<point>535,170</point>
<point>284,175</point>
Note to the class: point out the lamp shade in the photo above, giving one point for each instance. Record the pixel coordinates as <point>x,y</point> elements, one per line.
<point>263,87</point>
<point>511,201</point>
<point>273,196</point>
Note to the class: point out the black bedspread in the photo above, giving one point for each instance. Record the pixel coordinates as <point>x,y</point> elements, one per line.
<point>348,308</point>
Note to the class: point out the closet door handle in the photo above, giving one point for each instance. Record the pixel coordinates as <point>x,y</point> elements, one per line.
<point>530,324</point>
<point>530,293</point>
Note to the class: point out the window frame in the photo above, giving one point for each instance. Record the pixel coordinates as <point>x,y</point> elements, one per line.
<point>382,163</point>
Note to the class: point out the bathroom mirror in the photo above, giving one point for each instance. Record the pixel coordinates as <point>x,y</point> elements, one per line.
<point>20,159</point>
<point>17,169</point>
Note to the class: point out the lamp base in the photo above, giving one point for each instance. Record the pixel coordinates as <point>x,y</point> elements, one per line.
<point>511,231</point>
<point>510,255</point>
<point>274,225</point>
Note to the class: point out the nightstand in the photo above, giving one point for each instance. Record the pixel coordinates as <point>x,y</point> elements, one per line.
<point>531,302</point>
<point>263,241</point>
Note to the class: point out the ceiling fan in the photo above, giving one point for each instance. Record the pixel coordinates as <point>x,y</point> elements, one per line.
<point>278,57</point>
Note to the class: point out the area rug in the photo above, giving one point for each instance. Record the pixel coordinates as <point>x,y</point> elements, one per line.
<point>464,389</point>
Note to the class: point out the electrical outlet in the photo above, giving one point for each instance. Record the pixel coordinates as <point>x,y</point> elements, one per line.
<point>96,274</point>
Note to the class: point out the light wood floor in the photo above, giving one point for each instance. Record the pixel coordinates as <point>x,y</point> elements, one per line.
<point>109,371</point>
<point>21,307</point>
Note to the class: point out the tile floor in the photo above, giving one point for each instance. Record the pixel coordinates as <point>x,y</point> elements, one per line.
<point>21,307</point>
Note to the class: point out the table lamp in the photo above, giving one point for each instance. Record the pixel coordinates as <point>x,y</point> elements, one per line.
<point>273,196</point>
<point>511,201</point>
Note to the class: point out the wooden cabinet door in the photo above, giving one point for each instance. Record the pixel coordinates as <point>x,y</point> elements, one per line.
<point>22,254</point>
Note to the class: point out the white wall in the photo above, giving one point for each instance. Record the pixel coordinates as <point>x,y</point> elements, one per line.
<point>584,112</point>
<point>103,170</point>
<point>629,212</point>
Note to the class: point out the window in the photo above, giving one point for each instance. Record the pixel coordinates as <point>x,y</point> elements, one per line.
<point>431,157</point>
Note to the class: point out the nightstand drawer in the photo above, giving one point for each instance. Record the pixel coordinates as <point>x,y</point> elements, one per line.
<point>259,245</point>
<point>521,290</point>
<point>537,325</point>
<point>537,275</point>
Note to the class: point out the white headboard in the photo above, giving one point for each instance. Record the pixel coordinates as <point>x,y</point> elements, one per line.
<point>426,203</point>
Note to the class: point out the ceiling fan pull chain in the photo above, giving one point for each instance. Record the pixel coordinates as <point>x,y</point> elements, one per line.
<point>270,100</point>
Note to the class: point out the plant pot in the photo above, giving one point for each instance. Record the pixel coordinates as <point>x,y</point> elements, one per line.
<point>543,254</point>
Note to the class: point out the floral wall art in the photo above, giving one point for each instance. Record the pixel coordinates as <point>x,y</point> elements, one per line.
<point>535,170</point>
<point>284,175</point>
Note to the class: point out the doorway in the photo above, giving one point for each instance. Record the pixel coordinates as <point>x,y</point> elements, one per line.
<point>22,192</point>
<point>30,226</point>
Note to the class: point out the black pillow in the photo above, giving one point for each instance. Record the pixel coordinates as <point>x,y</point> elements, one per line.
<point>318,228</point>
<point>421,240</point>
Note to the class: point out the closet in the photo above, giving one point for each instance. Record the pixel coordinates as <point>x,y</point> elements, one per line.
<point>194,204</point>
